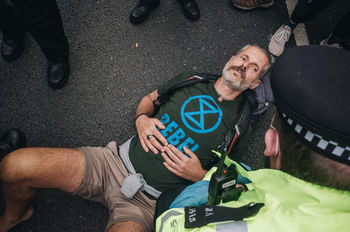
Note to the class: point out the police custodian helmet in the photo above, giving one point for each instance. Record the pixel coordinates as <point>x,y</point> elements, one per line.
<point>311,86</point>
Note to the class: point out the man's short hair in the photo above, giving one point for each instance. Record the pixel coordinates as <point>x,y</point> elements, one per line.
<point>300,161</point>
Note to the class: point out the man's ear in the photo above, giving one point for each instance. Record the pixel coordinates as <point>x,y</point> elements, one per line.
<point>255,84</point>
<point>272,149</point>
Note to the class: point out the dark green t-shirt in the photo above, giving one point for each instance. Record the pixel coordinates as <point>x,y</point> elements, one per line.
<point>193,117</point>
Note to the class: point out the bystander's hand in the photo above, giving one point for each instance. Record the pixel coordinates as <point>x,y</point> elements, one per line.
<point>150,137</point>
<point>187,167</point>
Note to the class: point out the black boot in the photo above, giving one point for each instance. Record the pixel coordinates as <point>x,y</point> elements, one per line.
<point>58,73</point>
<point>142,10</point>
<point>11,140</point>
<point>12,46</point>
<point>190,9</point>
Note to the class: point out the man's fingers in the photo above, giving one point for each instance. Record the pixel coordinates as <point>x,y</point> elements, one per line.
<point>167,159</point>
<point>171,169</point>
<point>153,140</point>
<point>172,155</point>
<point>190,153</point>
<point>150,145</point>
<point>159,124</point>
<point>161,138</point>
<point>170,162</point>
<point>177,152</point>
<point>150,137</point>
<point>144,146</point>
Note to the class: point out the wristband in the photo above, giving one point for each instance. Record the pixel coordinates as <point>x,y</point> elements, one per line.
<point>139,115</point>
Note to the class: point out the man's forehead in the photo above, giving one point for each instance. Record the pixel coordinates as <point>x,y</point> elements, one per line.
<point>256,55</point>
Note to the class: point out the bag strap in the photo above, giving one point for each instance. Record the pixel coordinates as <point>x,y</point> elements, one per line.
<point>240,127</point>
<point>199,78</point>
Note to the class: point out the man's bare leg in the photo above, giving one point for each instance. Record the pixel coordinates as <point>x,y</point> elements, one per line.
<point>127,226</point>
<point>24,171</point>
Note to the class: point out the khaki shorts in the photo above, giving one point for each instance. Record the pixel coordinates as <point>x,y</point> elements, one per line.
<point>104,175</point>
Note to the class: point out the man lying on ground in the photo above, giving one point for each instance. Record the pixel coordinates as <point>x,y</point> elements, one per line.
<point>172,147</point>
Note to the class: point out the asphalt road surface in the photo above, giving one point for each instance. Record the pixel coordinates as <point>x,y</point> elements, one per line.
<point>110,74</point>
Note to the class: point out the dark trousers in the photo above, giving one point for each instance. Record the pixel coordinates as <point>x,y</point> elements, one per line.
<point>42,19</point>
<point>342,29</point>
<point>308,9</point>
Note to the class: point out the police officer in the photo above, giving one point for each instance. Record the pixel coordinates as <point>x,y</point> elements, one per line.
<point>43,20</point>
<point>307,187</point>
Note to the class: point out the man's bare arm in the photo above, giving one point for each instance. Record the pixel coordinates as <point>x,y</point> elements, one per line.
<point>145,125</point>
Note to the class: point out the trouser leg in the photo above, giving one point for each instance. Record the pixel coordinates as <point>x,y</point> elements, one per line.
<point>308,9</point>
<point>10,23</point>
<point>44,23</point>
<point>342,30</point>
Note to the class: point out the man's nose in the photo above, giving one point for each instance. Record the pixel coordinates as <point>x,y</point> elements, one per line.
<point>245,65</point>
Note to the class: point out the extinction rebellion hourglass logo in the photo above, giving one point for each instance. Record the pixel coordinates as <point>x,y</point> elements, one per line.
<point>195,119</point>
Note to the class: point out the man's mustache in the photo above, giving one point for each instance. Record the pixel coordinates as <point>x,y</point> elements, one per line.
<point>240,69</point>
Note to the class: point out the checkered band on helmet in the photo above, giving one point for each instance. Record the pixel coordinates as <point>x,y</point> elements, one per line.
<point>328,148</point>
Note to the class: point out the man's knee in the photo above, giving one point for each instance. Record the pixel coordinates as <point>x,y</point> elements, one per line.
<point>60,168</point>
<point>15,166</point>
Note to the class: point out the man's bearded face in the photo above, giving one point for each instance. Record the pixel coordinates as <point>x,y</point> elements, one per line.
<point>236,77</point>
<point>243,70</point>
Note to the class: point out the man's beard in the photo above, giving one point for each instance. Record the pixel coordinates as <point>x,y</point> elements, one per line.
<point>235,85</point>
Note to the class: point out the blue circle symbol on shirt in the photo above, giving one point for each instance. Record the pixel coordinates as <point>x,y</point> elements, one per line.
<point>195,119</point>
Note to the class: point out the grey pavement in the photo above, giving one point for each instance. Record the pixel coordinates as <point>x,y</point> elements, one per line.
<point>110,74</point>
